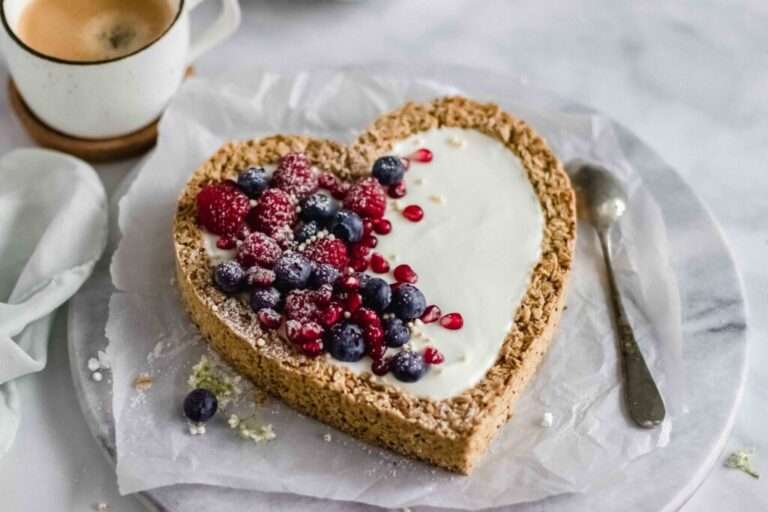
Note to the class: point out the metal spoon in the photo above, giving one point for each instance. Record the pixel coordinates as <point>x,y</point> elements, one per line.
<point>602,200</point>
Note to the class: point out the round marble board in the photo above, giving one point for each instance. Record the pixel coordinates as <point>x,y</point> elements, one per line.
<point>714,329</point>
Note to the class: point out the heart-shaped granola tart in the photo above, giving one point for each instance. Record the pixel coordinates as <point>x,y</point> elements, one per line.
<point>402,289</point>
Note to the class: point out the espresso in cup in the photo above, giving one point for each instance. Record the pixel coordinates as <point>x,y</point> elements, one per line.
<point>93,30</point>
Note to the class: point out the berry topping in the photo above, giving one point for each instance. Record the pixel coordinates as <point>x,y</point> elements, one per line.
<point>348,226</point>
<point>366,317</point>
<point>319,207</point>
<point>221,208</point>
<point>269,318</point>
<point>396,333</point>
<point>226,243</point>
<point>265,298</point>
<point>330,315</point>
<point>422,155</point>
<point>431,314</point>
<point>433,356</point>
<point>413,213</point>
<point>229,277</point>
<point>200,405</point>
<point>312,348</point>
<point>367,199</point>
<point>345,342</point>
<point>405,274</point>
<point>359,264</point>
<point>253,181</point>
<point>352,302</point>
<point>388,170</point>
<point>274,211</point>
<point>295,175</point>
<point>334,185</point>
<point>382,226</point>
<point>370,241</point>
<point>293,331</point>
<point>407,366</point>
<point>300,305</point>
<point>311,331</point>
<point>258,249</point>
<point>292,270</point>
<point>374,337</point>
<point>375,351</point>
<point>379,264</point>
<point>330,251</point>
<point>323,273</point>
<point>323,295</point>
<point>260,277</point>
<point>380,367</point>
<point>377,294</point>
<point>350,283</point>
<point>305,231</point>
<point>397,190</point>
<point>452,321</point>
<point>408,303</point>
<point>359,251</point>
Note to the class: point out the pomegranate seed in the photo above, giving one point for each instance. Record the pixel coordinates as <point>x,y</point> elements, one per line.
<point>370,241</point>
<point>331,315</point>
<point>382,226</point>
<point>226,243</point>
<point>327,180</point>
<point>293,330</point>
<point>405,274</point>
<point>367,227</point>
<point>431,314</point>
<point>359,251</point>
<point>322,296</point>
<point>379,264</point>
<point>423,156</point>
<point>376,350</point>
<point>433,356</point>
<point>397,190</point>
<point>312,348</point>
<point>353,302</point>
<point>311,331</point>
<point>269,318</point>
<point>366,317</point>
<point>359,264</point>
<point>350,282</point>
<point>380,366</point>
<point>413,213</point>
<point>452,321</point>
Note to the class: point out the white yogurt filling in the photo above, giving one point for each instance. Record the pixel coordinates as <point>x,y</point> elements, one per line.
<point>474,251</point>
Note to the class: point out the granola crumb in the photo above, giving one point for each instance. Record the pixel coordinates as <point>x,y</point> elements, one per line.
<point>456,142</point>
<point>438,199</point>
<point>143,382</point>
<point>102,507</point>
<point>327,437</point>
<point>97,376</point>
<point>93,364</point>
<point>547,419</point>
<point>260,342</point>
<point>196,429</point>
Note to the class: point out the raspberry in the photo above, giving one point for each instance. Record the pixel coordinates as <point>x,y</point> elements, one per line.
<point>367,199</point>
<point>222,208</point>
<point>330,251</point>
<point>300,305</point>
<point>269,318</point>
<point>260,277</point>
<point>330,315</point>
<point>295,175</point>
<point>258,249</point>
<point>312,348</point>
<point>274,211</point>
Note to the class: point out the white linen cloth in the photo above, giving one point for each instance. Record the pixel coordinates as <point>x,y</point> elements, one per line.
<point>53,228</point>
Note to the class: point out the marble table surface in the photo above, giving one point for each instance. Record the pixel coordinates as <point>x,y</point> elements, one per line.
<point>690,78</point>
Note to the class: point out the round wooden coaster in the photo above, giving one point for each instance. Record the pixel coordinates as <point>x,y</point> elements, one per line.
<point>93,150</point>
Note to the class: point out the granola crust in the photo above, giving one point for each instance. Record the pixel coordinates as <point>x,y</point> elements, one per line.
<point>452,433</point>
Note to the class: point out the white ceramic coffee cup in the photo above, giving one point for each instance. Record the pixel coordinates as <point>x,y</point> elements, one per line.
<point>104,99</point>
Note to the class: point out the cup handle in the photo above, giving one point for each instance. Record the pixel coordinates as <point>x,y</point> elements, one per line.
<point>224,26</point>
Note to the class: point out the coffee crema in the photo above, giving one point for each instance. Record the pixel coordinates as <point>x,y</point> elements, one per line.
<point>93,30</point>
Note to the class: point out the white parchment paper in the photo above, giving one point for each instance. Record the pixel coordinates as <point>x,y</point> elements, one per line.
<point>579,381</point>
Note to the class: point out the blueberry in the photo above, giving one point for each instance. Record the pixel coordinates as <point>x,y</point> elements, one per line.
<point>396,333</point>
<point>200,405</point>
<point>348,226</point>
<point>305,231</point>
<point>265,298</point>
<point>363,278</point>
<point>388,170</point>
<point>323,274</point>
<point>253,181</point>
<point>376,293</point>
<point>345,342</point>
<point>319,207</point>
<point>407,366</point>
<point>229,277</point>
<point>292,270</point>
<point>408,303</point>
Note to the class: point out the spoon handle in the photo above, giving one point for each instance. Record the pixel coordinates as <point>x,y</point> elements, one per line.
<point>643,399</point>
